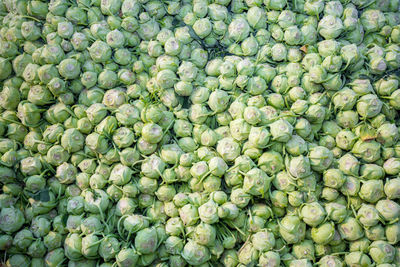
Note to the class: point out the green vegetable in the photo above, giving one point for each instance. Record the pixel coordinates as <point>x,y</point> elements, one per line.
<point>201,133</point>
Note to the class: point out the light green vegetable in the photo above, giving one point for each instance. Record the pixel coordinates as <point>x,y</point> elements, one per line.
<point>201,133</point>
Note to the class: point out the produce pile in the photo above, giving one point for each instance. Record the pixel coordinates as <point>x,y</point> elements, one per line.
<point>200,133</point>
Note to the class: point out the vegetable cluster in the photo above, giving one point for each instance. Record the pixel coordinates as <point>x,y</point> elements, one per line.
<point>200,133</point>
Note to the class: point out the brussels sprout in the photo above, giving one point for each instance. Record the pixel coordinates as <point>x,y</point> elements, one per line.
<point>208,212</point>
<point>360,245</point>
<point>368,215</point>
<point>53,240</point>
<point>350,229</point>
<point>281,130</point>
<point>283,181</point>
<point>271,162</point>
<point>73,246</point>
<point>146,241</point>
<point>374,233</point>
<point>392,233</point>
<point>383,206</point>
<point>126,257</point>
<point>37,249</point>
<point>369,106</point>
<point>195,254</point>
<point>23,239</point>
<point>357,258</point>
<point>333,178</point>
<point>205,234</point>
<point>12,220</point>
<point>371,191</point>
<point>54,257</point>
<point>292,229</point>
<point>391,166</point>
<point>189,214</point>
<point>109,248</point>
<point>299,167</point>
<point>367,150</point>
<point>263,240</point>
<point>256,182</point>
<point>320,158</point>
<point>238,29</point>
<point>381,252</point>
<point>228,148</point>
<point>18,260</point>
<point>391,189</point>
<point>336,211</point>
<point>330,260</point>
<point>374,24</point>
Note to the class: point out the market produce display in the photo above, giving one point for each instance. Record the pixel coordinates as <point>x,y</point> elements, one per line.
<point>199,133</point>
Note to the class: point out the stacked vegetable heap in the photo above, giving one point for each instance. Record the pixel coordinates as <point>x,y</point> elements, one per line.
<point>200,133</point>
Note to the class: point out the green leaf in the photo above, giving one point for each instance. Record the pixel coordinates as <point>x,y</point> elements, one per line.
<point>44,196</point>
